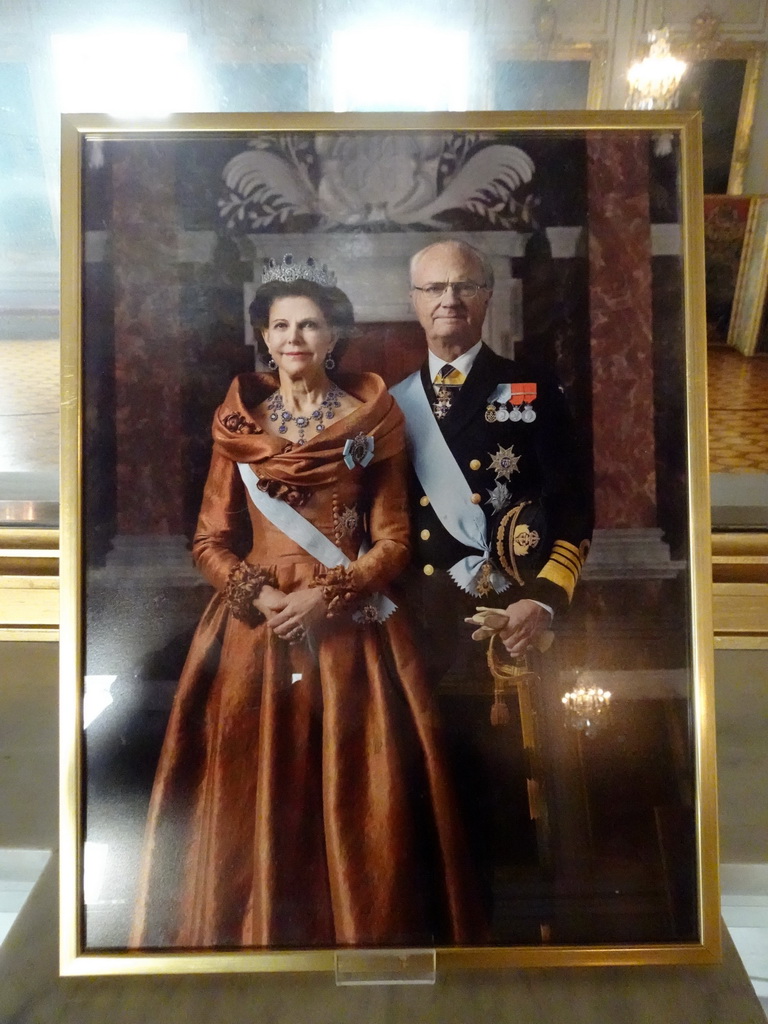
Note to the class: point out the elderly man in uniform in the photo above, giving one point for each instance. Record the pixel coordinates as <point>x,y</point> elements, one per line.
<point>502,517</point>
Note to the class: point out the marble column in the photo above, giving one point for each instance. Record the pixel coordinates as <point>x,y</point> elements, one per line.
<point>149,436</point>
<point>621,331</point>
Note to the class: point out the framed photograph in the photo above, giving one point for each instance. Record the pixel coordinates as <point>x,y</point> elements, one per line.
<point>747,330</point>
<point>564,76</point>
<point>725,228</point>
<point>722,82</point>
<point>386,624</point>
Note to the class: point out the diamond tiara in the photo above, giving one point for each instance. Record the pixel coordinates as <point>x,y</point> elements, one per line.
<point>288,270</point>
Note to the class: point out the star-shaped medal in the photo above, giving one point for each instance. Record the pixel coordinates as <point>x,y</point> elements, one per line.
<point>346,520</point>
<point>504,462</point>
<point>499,497</point>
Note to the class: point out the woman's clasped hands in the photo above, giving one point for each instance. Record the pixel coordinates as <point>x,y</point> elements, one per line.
<point>291,616</point>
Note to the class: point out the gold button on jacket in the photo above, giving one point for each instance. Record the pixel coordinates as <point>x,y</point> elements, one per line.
<point>428,570</point>
<point>476,499</point>
<point>475,464</point>
<point>425,535</point>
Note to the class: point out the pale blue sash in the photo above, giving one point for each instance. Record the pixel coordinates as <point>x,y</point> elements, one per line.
<point>302,532</point>
<point>445,485</point>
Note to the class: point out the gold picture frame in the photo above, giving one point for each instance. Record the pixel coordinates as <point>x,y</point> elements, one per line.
<point>722,81</point>
<point>147,246</point>
<point>560,76</point>
<point>725,227</point>
<point>749,297</point>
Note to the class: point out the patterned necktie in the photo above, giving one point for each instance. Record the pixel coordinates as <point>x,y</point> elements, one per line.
<point>446,383</point>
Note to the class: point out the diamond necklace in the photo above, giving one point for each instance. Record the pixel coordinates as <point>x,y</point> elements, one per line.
<point>325,411</point>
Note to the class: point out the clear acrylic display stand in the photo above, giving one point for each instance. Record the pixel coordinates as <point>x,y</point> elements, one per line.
<point>386,967</point>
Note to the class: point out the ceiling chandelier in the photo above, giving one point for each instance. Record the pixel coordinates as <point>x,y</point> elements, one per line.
<point>654,80</point>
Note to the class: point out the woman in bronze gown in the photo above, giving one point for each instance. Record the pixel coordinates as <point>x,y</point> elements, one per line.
<point>301,797</point>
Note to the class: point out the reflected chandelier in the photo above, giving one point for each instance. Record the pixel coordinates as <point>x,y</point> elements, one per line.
<point>655,80</point>
<point>586,708</point>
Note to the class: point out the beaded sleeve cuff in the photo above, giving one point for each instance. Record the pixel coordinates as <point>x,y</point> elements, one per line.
<point>243,586</point>
<point>339,590</point>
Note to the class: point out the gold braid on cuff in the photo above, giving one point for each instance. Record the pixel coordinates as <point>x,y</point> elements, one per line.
<point>244,585</point>
<point>339,590</point>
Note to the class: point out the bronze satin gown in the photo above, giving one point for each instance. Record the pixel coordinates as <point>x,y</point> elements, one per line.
<point>301,797</point>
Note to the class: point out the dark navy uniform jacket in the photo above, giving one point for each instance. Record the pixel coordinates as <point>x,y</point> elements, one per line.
<point>553,470</point>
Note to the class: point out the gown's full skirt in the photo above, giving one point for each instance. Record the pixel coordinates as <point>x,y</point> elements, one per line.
<point>301,799</point>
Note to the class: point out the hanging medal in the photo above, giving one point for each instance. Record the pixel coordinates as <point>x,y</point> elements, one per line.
<point>525,395</point>
<point>496,410</point>
<point>529,396</point>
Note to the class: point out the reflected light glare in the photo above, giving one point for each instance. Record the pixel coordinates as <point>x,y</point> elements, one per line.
<point>94,870</point>
<point>125,73</point>
<point>19,872</point>
<point>97,697</point>
<point>17,511</point>
<point>404,67</point>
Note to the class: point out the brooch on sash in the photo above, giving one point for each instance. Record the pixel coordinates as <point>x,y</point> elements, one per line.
<point>358,450</point>
<point>366,613</point>
<point>505,395</point>
<point>483,583</point>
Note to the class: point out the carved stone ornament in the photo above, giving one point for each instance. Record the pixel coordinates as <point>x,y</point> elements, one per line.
<point>705,28</point>
<point>376,179</point>
<point>545,23</point>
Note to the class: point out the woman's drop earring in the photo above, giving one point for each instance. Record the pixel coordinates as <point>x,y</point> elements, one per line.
<point>330,362</point>
<point>271,364</point>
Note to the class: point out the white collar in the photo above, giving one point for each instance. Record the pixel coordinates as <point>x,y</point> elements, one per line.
<point>462,363</point>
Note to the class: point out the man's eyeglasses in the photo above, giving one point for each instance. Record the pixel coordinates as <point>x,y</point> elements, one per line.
<point>462,289</point>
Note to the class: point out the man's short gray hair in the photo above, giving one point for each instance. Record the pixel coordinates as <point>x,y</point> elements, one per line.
<point>464,247</point>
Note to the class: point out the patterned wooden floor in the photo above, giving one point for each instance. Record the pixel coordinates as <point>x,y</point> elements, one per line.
<point>738,412</point>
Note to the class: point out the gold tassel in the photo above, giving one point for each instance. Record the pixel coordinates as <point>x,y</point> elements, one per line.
<point>499,712</point>
<point>506,674</point>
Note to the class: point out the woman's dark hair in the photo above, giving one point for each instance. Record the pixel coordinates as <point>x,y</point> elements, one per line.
<point>334,303</point>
